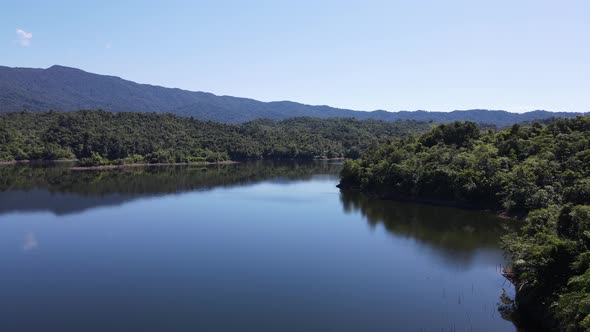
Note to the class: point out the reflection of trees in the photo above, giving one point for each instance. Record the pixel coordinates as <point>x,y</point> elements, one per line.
<point>61,190</point>
<point>457,234</point>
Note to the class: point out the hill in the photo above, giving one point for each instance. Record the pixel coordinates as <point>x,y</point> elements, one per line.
<point>69,89</point>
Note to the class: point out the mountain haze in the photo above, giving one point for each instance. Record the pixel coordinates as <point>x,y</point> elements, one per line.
<point>69,89</point>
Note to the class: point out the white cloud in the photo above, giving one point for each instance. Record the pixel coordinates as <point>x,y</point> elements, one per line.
<point>24,38</point>
<point>30,242</point>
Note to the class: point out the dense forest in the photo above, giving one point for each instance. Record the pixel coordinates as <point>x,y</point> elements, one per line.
<point>100,138</point>
<point>539,173</point>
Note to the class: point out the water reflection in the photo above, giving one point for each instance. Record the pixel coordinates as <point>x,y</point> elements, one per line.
<point>255,246</point>
<point>30,242</point>
<point>458,236</point>
<point>455,235</point>
<point>58,189</point>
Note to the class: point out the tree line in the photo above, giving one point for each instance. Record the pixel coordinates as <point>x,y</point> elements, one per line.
<point>539,173</point>
<point>99,137</point>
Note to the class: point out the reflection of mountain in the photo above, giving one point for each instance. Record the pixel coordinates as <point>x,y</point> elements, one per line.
<point>457,235</point>
<point>62,191</point>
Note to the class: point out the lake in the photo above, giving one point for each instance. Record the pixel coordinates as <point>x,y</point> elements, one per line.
<point>261,246</point>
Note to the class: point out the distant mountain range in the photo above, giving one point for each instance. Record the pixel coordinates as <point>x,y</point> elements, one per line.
<point>69,89</point>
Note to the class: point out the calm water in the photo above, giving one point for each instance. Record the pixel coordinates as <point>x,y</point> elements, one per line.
<point>249,247</point>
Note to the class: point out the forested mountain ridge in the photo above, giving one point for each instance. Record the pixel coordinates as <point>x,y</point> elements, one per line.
<point>99,137</point>
<point>539,172</point>
<point>67,89</point>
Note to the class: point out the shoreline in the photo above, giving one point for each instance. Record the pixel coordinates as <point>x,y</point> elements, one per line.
<point>106,167</point>
<point>506,217</point>
<point>115,166</point>
<point>26,161</point>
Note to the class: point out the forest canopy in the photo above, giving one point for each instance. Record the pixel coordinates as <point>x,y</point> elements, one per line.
<point>540,173</point>
<point>99,137</point>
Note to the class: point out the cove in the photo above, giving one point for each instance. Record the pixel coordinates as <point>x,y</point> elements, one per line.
<point>262,246</point>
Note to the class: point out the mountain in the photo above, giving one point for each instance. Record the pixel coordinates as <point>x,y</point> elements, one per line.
<point>70,89</point>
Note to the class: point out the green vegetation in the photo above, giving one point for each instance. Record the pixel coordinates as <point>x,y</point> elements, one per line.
<point>101,138</point>
<point>539,172</point>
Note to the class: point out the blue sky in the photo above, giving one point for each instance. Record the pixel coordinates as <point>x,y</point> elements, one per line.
<point>516,55</point>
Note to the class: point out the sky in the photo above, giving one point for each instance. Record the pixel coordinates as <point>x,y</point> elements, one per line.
<point>516,55</point>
